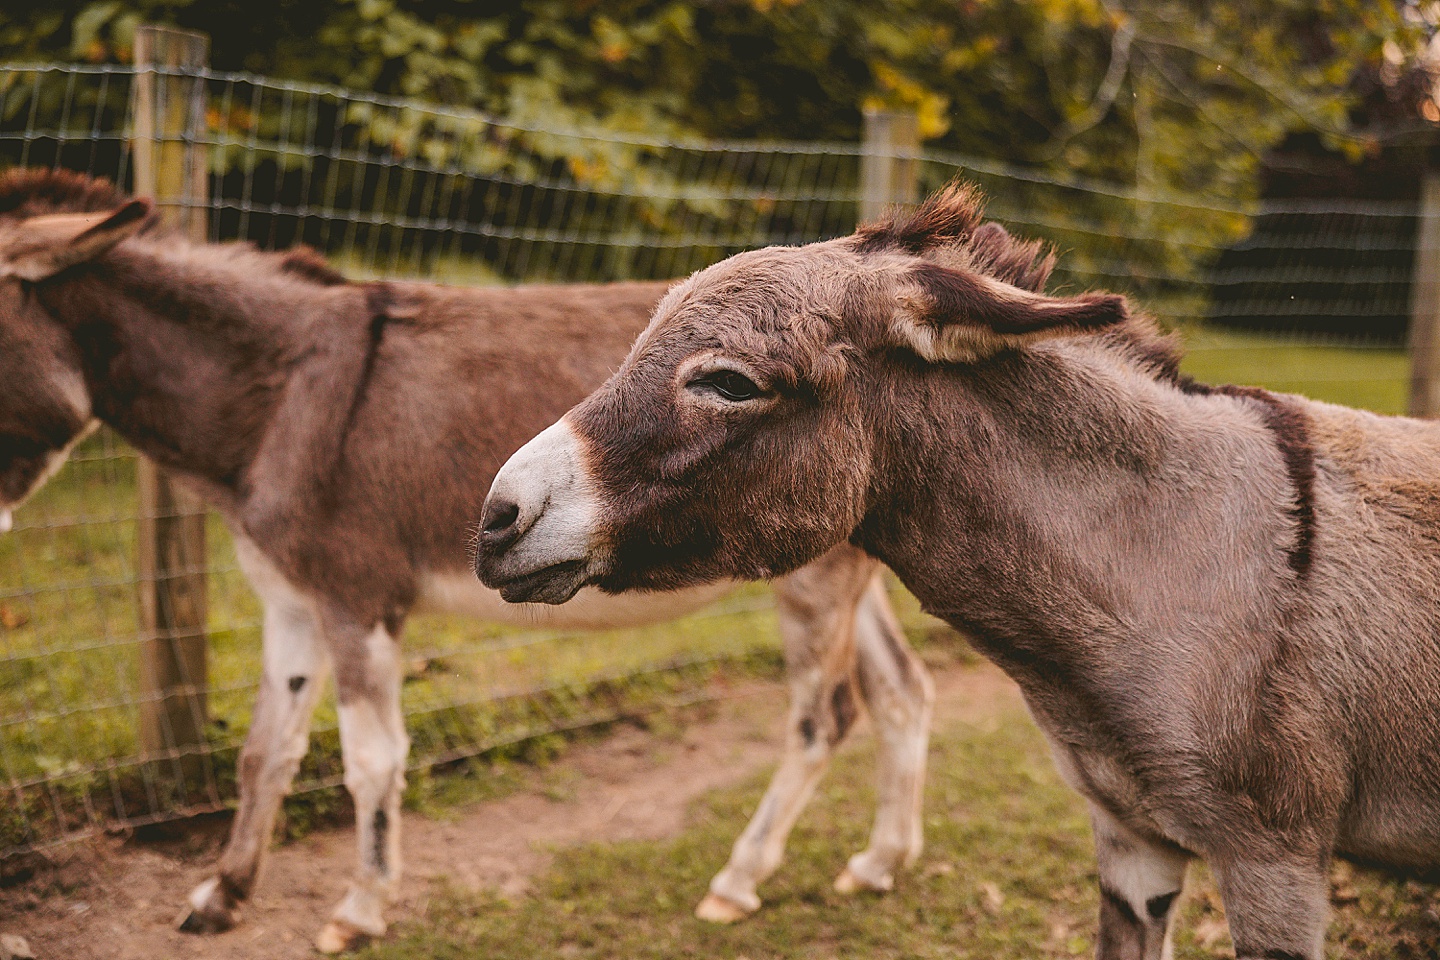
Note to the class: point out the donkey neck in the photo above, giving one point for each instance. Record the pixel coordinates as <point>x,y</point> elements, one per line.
<point>1058,500</point>
<point>186,347</point>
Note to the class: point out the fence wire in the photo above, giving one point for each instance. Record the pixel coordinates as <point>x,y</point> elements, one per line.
<point>1309,296</point>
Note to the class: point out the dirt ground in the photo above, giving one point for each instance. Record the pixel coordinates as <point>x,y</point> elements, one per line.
<point>118,900</point>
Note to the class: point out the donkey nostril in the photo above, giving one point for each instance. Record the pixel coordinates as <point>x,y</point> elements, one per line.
<point>500,515</point>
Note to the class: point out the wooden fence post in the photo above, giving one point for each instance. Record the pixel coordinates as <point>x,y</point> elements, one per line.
<point>889,162</point>
<point>170,165</point>
<point>1425,305</point>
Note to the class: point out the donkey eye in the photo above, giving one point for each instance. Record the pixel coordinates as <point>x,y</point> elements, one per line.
<point>730,384</point>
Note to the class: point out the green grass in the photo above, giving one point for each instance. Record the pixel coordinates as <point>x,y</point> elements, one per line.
<point>1007,873</point>
<point>1373,378</point>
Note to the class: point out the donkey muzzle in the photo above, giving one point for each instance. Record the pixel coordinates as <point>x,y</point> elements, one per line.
<point>534,543</point>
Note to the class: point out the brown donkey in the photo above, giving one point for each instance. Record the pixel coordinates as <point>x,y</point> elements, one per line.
<point>1222,604</point>
<point>339,428</point>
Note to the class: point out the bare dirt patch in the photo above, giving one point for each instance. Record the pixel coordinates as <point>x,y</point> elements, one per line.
<point>117,900</point>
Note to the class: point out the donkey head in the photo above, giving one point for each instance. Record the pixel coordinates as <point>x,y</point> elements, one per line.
<point>44,402</point>
<point>755,422</point>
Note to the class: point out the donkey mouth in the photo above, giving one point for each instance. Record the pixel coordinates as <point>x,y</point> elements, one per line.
<point>554,584</point>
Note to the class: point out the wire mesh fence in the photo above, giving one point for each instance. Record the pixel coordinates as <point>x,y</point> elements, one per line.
<point>1308,296</point>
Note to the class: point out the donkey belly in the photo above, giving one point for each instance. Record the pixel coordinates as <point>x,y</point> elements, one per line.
<point>1400,829</point>
<point>460,592</point>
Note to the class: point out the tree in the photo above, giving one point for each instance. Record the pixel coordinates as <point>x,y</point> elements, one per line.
<point>1163,98</point>
<point>1151,92</point>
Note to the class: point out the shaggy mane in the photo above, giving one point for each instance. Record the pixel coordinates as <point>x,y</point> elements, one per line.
<point>35,191</point>
<point>952,218</point>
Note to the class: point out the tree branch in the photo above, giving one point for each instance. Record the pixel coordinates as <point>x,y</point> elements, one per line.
<point>1105,94</point>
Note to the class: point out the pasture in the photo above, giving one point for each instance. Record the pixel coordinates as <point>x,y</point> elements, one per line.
<point>1007,872</point>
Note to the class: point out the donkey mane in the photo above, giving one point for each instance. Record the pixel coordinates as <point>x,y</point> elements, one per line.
<point>36,191</point>
<point>952,218</point>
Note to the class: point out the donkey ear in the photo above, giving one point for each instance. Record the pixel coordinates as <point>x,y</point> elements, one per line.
<point>948,315</point>
<point>40,247</point>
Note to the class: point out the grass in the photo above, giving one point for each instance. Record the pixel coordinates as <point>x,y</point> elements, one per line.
<point>1007,873</point>
<point>1373,378</point>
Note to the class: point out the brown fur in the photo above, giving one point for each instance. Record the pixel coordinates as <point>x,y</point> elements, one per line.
<point>311,263</point>
<point>32,192</point>
<point>947,218</point>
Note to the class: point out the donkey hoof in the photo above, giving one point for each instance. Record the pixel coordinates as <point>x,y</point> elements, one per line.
<point>211,910</point>
<point>339,937</point>
<point>716,909</point>
<point>851,882</point>
<point>208,921</point>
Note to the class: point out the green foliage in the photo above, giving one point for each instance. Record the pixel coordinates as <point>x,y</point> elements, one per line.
<point>1158,93</point>
<point>589,177</point>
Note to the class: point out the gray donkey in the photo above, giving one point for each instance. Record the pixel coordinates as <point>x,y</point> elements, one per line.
<point>1222,604</point>
<point>339,428</point>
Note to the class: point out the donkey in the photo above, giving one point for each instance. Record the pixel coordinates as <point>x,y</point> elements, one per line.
<point>1222,604</point>
<point>338,428</point>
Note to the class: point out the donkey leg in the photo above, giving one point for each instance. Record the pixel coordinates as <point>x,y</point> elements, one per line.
<point>374,745</point>
<point>1278,908</point>
<point>817,607</point>
<point>1140,880</point>
<point>899,696</point>
<point>294,672</point>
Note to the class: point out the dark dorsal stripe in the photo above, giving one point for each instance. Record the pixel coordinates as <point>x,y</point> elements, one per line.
<point>1292,435</point>
<point>1160,355</point>
<point>293,472</point>
<point>380,299</point>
